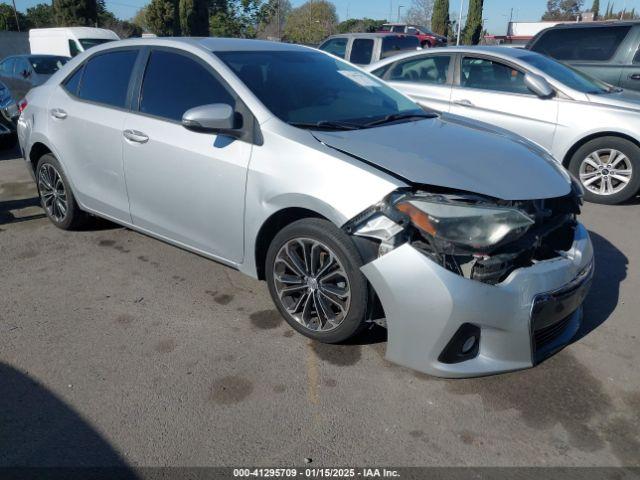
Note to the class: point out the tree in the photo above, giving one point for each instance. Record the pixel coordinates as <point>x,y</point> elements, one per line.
<point>360,25</point>
<point>194,18</point>
<point>420,13</point>
<point>140,20</point>
<point>272,18</point>
<point>161,17</point>
<point>69,13</point>
<point>595,9</point>
<point>558,10</point>
<point>473,28</point>
<point>41,16</point>
<point>8,19</point>
<point>440,21</point>
<point>312,22</point>
<point>234,18</point>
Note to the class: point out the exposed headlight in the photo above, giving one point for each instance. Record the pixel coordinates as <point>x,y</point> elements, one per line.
<point>472,227</point>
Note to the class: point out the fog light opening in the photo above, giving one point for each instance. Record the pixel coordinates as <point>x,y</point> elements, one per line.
<point>463,346</point>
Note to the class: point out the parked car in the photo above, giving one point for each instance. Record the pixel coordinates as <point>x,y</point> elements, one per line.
<point>366,48</point>
<point>427,38</point>
<point>590,127</point>
<point>20,73</point>
<point>8,116</point>
<point>68,41</point>
<point>609,51</point>
<point>342,193</point>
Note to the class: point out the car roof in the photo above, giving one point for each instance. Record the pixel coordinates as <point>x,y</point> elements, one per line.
<point>605,23</point>
<point>206,43</point>
<point>369,35</point>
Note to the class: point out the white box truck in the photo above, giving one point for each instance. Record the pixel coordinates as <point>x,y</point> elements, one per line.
<point>67,42</point>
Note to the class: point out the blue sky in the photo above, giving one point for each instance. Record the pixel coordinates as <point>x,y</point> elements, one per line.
<point>496,12</point>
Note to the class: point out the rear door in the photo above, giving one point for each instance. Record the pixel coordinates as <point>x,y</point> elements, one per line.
<point>86,119</point>
<point>185,186</point>
<point>362,51</point>
<point>600,51</point>
<point>425,78</point>
<point>494,92</point>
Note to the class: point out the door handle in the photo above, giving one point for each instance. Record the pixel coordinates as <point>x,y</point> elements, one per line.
<point>135,136</point>
<point>463,103</point>
<point>58,113</point>
<point>635,76</point>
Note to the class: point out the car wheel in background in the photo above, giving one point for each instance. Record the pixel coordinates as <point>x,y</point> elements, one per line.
<point>313,274</point>
<point>56,197</point>
<point>608,169</point>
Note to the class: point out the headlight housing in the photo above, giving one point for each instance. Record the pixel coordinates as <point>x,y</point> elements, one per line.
<point>473,228</point>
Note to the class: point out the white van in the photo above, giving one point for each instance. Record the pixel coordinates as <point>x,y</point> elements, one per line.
<point>67,42</point>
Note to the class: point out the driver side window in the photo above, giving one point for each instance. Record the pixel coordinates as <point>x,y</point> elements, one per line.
<point>485,74</point>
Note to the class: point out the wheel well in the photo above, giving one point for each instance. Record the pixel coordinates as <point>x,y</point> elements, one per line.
<point>270,229</point>
<point>577,146</point>
<point>37,151</point>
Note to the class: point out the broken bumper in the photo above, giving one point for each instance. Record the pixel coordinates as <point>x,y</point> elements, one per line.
<point>533,314</point>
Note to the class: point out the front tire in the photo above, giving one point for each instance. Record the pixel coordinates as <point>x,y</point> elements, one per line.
<point>608,169</point>
<point>56,196</point>
<point>313,274</point>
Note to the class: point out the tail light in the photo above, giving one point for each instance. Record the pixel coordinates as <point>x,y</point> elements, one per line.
<point>22,104</point>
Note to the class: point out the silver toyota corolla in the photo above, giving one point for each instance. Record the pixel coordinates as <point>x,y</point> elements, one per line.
<point>592,128</point>
<point>353,203</point>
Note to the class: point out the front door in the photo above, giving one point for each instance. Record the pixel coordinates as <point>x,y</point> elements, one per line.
<point>185,186</point>
<point>495,93</point>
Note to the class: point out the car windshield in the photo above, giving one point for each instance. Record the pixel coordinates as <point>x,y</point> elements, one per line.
<point>87,43</point>
<point>311,88</point>
<point>567,75</point>
<point>47,65</point>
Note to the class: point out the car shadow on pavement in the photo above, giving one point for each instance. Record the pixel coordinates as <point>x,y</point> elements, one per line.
<point>610,271</point>
<point>8,206</point>
<point>10,153</point>
<point>39,430</point>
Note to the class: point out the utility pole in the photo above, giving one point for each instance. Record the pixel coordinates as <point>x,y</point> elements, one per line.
<point>390,10</point>
<point>460,21</point>
<point>400,7</point>
<point>15,11</point>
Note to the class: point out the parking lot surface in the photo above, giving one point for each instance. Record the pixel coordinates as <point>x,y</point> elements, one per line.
<point>117,349</point>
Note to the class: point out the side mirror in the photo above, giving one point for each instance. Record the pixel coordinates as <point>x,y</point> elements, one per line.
<point>539,85</point>
<point>214,118</point>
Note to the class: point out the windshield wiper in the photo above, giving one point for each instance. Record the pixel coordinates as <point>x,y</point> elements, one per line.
<point>329,125</point>
<point>394,117</point>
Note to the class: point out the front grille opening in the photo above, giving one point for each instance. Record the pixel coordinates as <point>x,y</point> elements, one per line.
<point>548,334</point>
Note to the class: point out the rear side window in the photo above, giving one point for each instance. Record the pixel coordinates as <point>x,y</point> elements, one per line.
<point>174,83</point>
<point>586,44</point>
<point>361,51</point>
<point>106,78</point>
<point>397,29</point>
<point>335,46</point>
<point>392,45</point>
<point>72,83</point>
<point>428,70</point>
<point>73,48</point>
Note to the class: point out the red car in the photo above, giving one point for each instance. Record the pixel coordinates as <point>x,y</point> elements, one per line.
<point>427,38</point>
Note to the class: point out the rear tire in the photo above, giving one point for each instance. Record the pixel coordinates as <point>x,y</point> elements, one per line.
<point>313,274</point>
<point>56,196</point>
<point>608,169</point>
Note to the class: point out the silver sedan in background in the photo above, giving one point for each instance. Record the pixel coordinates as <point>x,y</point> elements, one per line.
<point>352,202</point>
<point>590,127</point>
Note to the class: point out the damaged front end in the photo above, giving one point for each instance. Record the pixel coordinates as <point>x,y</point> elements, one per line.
<point>474,236</point>
<point>467,284</point>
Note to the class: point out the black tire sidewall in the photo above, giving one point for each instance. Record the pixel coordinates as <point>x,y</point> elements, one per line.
<point>346,251</point>
<point>625,146</point>
<point>74,216</point>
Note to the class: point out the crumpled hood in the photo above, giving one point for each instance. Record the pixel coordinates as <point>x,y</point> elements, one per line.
<point>457,154</point>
